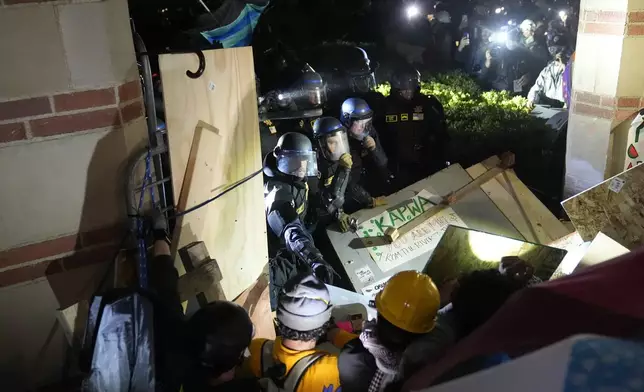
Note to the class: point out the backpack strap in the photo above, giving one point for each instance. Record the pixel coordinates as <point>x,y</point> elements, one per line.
<point>267,361</point>
<point>294,376</point>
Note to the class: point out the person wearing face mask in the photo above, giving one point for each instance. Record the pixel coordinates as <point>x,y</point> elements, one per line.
<point>414,131</point>
<point>335,165</point>
<point>369,158</point>
<point>288,214</point>
<point>549,86</point>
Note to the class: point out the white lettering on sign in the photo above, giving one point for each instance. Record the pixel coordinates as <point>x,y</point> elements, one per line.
<point>372,290</point>
<point>421,240</point>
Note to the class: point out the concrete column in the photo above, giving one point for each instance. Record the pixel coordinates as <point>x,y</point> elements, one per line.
<point>608,84</point>
<point>71,114</point>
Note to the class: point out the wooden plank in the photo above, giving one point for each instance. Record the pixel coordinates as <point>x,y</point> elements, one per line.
<point>203,278</point>
<point>614,207</point>
<point>531,218</point>
<point>73,320</point>
<point>392,234</point>
<point>205,159</point>
<point>257,302</point>
<point>603,248</point>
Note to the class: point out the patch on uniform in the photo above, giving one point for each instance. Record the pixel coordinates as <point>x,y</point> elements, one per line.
<point>391,118</point>
<point>404,116</point>
<point>312,123</point>
<point>328,181</point>
<point>301,123</point>
<point>418,109</point>
<point>418,117</point>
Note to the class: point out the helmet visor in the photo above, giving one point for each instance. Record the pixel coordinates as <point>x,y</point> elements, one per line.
<point>363,83</point>
<point>360,128</point>
<point>316,96</point>
<point>297,163</point>
<point>334,145</point>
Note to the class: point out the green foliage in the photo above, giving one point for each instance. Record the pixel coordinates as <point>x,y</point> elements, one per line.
<point>481,123</point>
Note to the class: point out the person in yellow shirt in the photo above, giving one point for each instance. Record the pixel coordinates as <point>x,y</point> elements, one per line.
<point>292,361</point>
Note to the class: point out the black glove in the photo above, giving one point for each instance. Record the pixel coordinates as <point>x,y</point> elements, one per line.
<point>159,225</point>
<point>323,271</point>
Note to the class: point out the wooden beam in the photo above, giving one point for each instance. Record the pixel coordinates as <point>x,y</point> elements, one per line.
<point>392,234</point>
<point>203,276</point>
<point>523,209</point>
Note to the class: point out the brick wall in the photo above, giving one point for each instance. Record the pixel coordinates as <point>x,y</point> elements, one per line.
<point>71,116</point>
<point>608,84</point>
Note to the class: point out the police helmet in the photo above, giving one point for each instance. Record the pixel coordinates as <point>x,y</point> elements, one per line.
<point>406,80</point>
<point>356,115</point>
<point>332,137</point>
<point>295,156</point>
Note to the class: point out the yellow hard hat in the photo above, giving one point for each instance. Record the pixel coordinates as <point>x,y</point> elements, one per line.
<point>410,301</point>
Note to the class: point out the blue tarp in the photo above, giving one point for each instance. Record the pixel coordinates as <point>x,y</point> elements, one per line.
<point>239,32</point>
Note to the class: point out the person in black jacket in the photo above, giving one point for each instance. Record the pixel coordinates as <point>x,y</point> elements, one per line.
<point>414,132</point>
<point>369,158</point>
<point>199,354</point>
<point>286,197</point>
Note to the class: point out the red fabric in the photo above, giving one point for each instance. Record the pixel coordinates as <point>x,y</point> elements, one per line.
<point>607,299</point>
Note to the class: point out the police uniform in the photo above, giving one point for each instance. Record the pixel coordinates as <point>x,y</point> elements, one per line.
<point>414,135</point>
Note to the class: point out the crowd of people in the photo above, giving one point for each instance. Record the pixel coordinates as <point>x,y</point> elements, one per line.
<point>215,348</point>
<point>523,47</point>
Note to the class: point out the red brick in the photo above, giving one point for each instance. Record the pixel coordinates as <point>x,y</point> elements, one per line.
<point>608,101</point>
<point>612,16</point>
<point>75,122</point>
<point>84,99</point>
<point>12,132</point>
<point>628,102</point>
<point>39,250</point>
<point>104,235</point>
<point>129,91</point>
<point>87,257</point>
<point>132,111</point>
<point>604,28</point>
<point>623,115</point>
<point>637,29</point>
<point>636,17</point>
<point>590,16</point>
<point>586,97</point>
<point>30,272</point>
<point>594,111</point>
<point>24,108</point>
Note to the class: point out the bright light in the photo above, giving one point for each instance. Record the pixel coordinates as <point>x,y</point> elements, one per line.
<point>562,15</point>
<point>281,97</point>
<point>500,38</point>
<point>413,11</point>
<point>498,10</point>
<point>511,22</point>
<point>492,248</point>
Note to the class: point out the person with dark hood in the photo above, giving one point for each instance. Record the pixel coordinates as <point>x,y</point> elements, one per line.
<point>217,336</point>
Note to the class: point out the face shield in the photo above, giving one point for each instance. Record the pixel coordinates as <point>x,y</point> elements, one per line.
<point>316,95</point>
<point>363,83</point>
<point>299,164</point>
<point>334,145</point>
<point>360,128</point>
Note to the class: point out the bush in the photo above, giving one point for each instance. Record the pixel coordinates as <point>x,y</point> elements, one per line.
<point>482,124</point>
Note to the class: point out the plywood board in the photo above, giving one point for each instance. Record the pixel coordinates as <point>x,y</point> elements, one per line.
<point>257,302</point>
<point>526,212</point>
<point>463,250</point>
<point>615,207</point>
<point>476,210</point>
<point>213,137</point>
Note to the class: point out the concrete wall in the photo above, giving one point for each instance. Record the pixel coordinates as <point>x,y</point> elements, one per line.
<point>71,114</point>
<point>608,83</point>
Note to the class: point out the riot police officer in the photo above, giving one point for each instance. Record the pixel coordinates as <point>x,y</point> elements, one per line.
<point>367,154</point>
<point>335,167</point>
<point>414,131</point>
<point>286,197</point>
